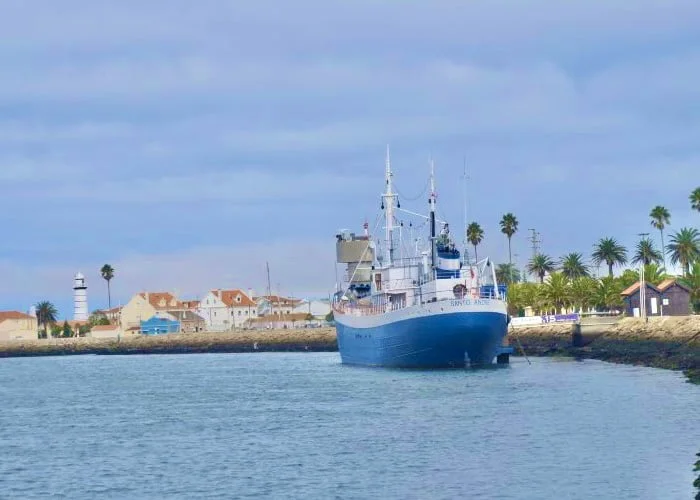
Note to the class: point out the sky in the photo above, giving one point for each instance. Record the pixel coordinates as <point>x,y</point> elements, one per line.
<point>189,143</point>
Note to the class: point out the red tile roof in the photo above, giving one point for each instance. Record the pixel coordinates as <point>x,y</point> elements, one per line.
<point>668,283</point>
<point>154,298</point>
<point>630,290</point>
<point>13,315</point>
<point>229,297</point>
<point>283,301</point>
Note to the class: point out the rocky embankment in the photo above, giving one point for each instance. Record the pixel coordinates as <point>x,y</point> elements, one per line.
<point>311,339</point>
<point>672,342</point>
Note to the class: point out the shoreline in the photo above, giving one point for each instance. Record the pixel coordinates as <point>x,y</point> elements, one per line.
<point>670,344</point>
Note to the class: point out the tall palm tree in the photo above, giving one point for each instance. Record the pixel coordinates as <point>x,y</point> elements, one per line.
<point>107,273</point>
<point>475,235</point>
<point>608,250</point>
<point>572,266</point>
<point>646,253</point>
<point>507,273</point>
<point>46,315</point>
<point>660,218</point>
<point>509,226</point>
<point>540,265</point>
<point>685,248</point>
<point>695,199</point>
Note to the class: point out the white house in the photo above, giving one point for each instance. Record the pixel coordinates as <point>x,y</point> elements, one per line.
<point>275,305</point>
<point>319,309</point>
<point>226,309</point>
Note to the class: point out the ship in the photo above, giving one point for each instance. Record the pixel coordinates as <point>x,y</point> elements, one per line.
<point>416,302</point>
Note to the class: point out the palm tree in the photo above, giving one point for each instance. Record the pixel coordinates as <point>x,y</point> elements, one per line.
<point>509,226</point>
<point>556,291</point>
<point>695,199</point>
<point>46,315</point>
<point>507,273</point>
<point>660,218</point>
<point>583,291</point>
<point>646,253</point>
<point>692,281</point>
<point>572,266</point>
<point>107,273</point>
<point>540,265</point>
<point>685,248</point>
<point>608,250</point>
<point>607,295</point>
<point>475,235</point>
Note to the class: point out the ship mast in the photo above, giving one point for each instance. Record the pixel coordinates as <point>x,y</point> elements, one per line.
<point>432,201</point>
<point>388,205</point>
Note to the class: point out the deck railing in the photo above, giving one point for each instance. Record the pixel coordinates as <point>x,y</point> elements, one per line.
<point>359,309</point>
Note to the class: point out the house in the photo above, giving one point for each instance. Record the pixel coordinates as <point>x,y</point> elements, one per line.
<point>105,332</point>
<point>319,309</point>
<point>631,298</point>
<point>274,304</point>
<point>113,314</point>
<point>226,309</point>
<point>145,305</point>
<point>275,321</point>
<point>158,325</point>
<point>190,322</point>
<point>669,298</point>
<point>675,298</point>
<point>16,325</point>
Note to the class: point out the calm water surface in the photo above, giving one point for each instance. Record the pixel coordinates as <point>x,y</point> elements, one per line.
<point>304,426</point>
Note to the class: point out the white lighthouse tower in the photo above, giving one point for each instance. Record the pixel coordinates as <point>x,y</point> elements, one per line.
<point>80,312</point>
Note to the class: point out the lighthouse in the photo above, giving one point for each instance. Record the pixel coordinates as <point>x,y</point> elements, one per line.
<point>80,311</point>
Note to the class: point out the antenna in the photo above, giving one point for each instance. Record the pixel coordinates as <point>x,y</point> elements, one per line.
<point>535,241</point>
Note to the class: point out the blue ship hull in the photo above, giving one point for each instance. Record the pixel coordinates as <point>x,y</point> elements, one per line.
<point>443,340</point>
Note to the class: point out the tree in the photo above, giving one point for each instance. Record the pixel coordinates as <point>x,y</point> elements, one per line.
<point>66,330</point>
<point>507,274</point>
<point>540,265</point>
<point>475,235</point>
<point>628,278</point>
<point>583,291</point>
<point>107,273</point>
<point>684,248</point>
<point>329,317</point>
<point>509,226</point>
<point>98,318</point>
<point>608,250</point>
<point>646,253</point>
<point>607,295</point>
<point>695,199</point>
<point>660,218</point>
<point>46,314</point>
<point>572,266</point>
<point>692,281</point>
<point>556,291</point>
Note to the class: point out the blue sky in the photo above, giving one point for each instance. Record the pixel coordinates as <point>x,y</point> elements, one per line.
<point>187,143</point>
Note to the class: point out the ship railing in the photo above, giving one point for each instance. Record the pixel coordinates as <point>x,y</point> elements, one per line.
<point>359,309</point>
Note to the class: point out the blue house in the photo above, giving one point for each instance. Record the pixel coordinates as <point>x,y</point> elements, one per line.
<point>159,326</point>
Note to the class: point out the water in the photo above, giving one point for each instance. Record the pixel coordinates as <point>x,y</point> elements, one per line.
<point>304,426</point>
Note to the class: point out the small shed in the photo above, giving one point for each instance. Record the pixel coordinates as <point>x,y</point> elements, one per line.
<point>675,298</point>
<point>631,297</point>
<point>159,326</point>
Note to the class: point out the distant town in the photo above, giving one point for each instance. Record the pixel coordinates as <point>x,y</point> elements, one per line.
<point>163,312</point>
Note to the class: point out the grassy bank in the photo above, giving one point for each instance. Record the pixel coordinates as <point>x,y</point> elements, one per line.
<point>316,339</point>
<point>671,343</point>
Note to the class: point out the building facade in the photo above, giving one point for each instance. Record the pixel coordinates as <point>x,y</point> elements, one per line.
<point>15,325</point>
<point>158,325</point>
<point>224,310</point>
<point>275,305</point>
<point>145,305</point>
<point>669,298</point>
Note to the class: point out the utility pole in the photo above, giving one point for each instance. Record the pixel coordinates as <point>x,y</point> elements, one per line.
<point>642,287</point>
<point>535,241</point>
